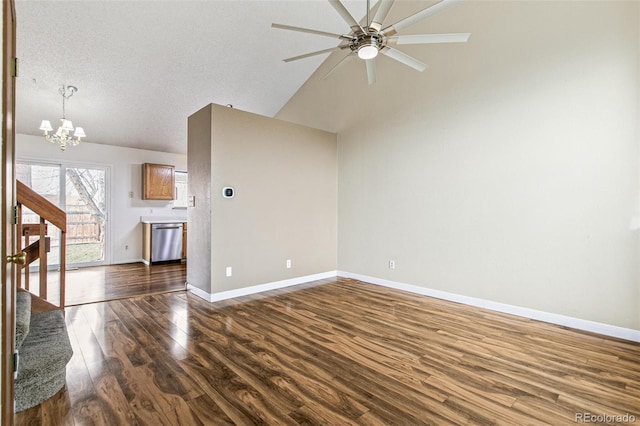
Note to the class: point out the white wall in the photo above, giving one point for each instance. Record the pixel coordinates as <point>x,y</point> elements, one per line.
<point>126,176</point>
<point>508,170</point>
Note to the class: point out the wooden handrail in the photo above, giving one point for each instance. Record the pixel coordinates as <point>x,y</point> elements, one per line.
<point>32,229</point>
<point>48,212</point>
<point>41,206</point>
<point>33,250</point>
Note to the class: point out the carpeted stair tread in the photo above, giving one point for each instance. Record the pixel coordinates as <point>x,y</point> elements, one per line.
<point>33,396</point>
<point>43,358</point>
<point>23,317</point>
<point>46,348</point>
<point>43,347</point>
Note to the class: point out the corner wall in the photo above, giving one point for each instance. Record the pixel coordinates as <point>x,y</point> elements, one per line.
<point>285,203</point>
<point>199,215</point>
<point>508,170</point>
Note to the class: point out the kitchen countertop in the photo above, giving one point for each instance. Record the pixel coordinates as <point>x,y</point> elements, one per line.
<point>162,219</point>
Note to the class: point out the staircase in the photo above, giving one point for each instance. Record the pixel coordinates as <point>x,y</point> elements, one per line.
<point>42,341</point>
<point>48,212</point>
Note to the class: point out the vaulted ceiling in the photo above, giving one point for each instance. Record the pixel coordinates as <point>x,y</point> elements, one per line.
<point>142,67</point>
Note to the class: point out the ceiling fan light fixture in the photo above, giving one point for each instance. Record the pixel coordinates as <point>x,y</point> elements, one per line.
<point>368,51</point>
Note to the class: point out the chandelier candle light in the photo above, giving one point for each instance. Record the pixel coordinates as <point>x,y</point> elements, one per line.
<point>63,135</point>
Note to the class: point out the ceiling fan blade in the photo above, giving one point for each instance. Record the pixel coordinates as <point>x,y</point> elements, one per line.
<point>348,18</point>
<point>428,38</point>
<point>338,65</point>
<point>416,17</point>
<point>383,10</point>
<point>306,30</point>
<point>319,52</point>
<point>403,58</point>
<point>371,70</point>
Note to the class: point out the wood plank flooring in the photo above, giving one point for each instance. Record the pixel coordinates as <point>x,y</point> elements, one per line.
<point>337,352</point>
<point>102,283</point>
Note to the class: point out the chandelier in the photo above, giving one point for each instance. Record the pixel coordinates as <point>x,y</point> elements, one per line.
<point>63,135</point>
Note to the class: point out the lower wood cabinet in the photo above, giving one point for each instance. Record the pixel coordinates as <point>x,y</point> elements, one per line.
<point>146,242</point>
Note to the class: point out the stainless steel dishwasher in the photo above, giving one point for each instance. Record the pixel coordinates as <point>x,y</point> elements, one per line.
<point>166,242</point>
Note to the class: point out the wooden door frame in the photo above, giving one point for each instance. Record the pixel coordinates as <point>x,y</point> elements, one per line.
<point>7,231</point>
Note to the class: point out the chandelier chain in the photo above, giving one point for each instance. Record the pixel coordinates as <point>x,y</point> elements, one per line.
<point>66,92</point>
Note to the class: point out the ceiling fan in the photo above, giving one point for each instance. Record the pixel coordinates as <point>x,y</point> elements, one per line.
<point>372,38</point>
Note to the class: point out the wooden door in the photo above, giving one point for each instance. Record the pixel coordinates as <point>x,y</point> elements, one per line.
<point>7,228</point>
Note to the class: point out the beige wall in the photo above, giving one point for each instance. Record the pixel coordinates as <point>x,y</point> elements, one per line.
<point>508,170</point>
<point>285,178</point>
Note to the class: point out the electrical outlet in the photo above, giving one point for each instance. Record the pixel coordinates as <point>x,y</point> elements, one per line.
<point>130,194</point>
<point>392,264</point>
<point>288,263</point>
<point>126,247</point>
<point>229,271</point>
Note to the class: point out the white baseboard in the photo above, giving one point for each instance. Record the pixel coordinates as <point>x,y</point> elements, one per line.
<point>580,324</point>
<point>198,292</point>
<point>577,323</point>
<point>230,294</point>
<point>125,261</point>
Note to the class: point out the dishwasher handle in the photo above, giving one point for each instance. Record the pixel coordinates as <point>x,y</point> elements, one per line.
<point>166,226</point>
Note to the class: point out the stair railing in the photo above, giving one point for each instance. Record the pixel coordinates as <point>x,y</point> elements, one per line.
<point>48,212</point>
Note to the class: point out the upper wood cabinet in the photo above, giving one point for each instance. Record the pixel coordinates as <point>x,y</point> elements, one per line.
<point>158,182</point>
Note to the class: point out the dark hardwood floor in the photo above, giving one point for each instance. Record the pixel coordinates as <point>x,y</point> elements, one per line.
<point>102,283</point>
<point>337,352</point>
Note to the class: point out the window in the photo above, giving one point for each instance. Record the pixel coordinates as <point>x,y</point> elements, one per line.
<point>82,193</point>
<point>182,179</point>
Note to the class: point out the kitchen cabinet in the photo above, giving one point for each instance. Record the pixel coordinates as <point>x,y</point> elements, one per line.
<point>158,182</point>
<point>146,243</point>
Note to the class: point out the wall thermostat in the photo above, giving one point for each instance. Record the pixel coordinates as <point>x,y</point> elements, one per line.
<point>227,192</point>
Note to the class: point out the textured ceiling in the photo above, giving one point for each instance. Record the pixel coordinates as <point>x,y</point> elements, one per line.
<point>142,67</point>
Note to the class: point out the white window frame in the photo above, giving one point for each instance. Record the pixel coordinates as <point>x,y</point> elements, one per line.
<point>108,247</point>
